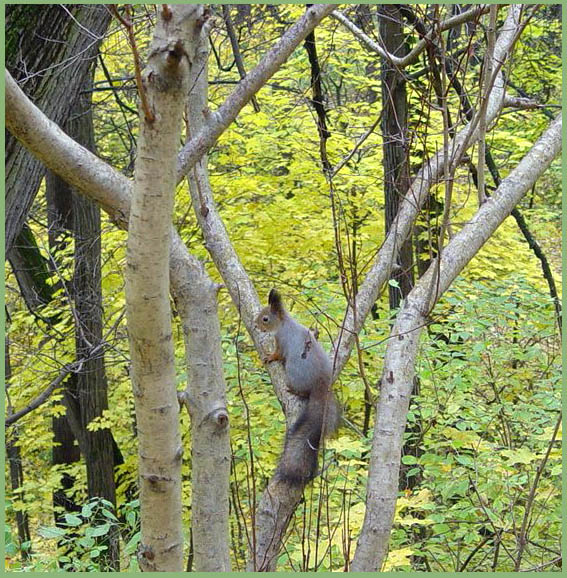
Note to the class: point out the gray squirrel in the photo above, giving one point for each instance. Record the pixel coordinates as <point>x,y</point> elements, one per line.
<point>308,374</point>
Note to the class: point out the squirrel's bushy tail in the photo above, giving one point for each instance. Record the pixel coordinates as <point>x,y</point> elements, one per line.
<point>298,463</point>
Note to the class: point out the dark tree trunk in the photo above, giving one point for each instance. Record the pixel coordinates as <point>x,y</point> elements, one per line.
<point>66,450</point>
<point>92,386</point>
<point>49,51</point>
<point>15,461</point>
<point>87,399</point>
<point>396,175</point>
<point>395,139</point>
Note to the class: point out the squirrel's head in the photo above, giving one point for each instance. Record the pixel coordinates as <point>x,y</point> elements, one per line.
<point>270,317</point>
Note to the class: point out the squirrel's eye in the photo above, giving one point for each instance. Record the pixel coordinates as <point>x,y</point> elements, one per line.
<point>265,319</point>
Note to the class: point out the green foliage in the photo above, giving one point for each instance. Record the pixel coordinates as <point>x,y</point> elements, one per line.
<point>488,403</point>
<point>78,540</point>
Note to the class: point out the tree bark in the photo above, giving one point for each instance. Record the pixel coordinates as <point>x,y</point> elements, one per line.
<point>66,446</point>
<point>148,310</point>
<point>49,50</point>
<point>14,456</point>
<point>206,388</point>
<point>401,353</point>
<point>396,177</point>
<point>395,142</point>
<point>92,385</point>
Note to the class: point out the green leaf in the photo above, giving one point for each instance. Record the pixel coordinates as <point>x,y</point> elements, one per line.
<point>519,456</point>
<point>441,528</point>
<point>87,510</point>
<point>73,520</point>
<point>133,543</point>
<point>100,530</point>
<point>108,514</point>
<point>409,460</point>
<point>50,532</point>
<point>131,518</point>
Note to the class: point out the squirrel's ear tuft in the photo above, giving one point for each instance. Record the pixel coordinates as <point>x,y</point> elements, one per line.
<point>275,301</point>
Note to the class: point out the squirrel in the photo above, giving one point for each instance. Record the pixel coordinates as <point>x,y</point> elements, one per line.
<point>309,373</point>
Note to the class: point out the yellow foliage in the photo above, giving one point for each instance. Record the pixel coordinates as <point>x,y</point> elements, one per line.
<point>397,559</point>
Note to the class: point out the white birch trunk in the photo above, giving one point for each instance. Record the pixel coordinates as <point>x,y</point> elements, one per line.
<point>148,309</point>
<point>399,362</point>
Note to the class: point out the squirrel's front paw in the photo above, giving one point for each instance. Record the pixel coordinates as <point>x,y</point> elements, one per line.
<point>270,358</point>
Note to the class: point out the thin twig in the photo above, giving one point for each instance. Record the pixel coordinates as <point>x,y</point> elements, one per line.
<point>522,538</point>
<point>129,26</point>
<point>413,55</point>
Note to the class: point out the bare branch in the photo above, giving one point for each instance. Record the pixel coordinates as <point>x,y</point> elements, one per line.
<point>236,49</point>
<point>73,367</point>
<point>45,394</point>
<point>413,55</point>
<point>486,76</point>
<point>522,103</point>
<point>129,26</point>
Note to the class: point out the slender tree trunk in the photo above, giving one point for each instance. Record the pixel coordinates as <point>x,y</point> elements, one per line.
<point>13,454</point>
<point>395,143</point>
<point>66,450</point>
<point>206,388</point>
<point>87,391</point>
<point>92,386</point>
<point>396,179</point>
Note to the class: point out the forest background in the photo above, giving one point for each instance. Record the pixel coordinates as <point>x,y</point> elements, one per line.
<point>480,480</point>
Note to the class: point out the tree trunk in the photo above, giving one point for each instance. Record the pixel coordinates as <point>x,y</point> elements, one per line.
<point>395,142</point>
<point>49,51</point>
<point>147,289</point>
<point>86,399</point>
<point>396,180</point>
<point>92,386</point>
<point>206,388</point>
<point>65,449</point>
<point>15,461</point>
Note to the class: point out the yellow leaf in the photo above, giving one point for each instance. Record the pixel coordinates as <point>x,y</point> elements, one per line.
<point>520,456</point>
<point>397,558</point>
